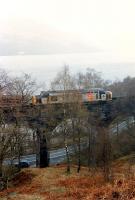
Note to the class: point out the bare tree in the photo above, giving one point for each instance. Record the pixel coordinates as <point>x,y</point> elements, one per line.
<point>104,151</point>
<point>90,79</point>
<point>7,142</point>
<point>4,81</point>
<point>63,81</point>
<point>24,87</point>
<point>92,134</point>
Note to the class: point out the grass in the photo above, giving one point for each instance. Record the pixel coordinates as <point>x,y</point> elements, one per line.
<point>54,184</point>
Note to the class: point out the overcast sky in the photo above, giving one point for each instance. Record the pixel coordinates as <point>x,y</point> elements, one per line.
<point>81,33</point>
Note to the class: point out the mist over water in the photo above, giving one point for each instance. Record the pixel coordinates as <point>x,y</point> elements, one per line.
<point>45,67</point>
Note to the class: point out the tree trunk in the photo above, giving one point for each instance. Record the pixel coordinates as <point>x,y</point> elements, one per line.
<point>117,124</point>
<point>89,149</point>
<point>1,161</point>
<point>91,155</point>
<point>68,159</point>
<point>19,161</point>
<point>106,155</point>
<point>79,152</point>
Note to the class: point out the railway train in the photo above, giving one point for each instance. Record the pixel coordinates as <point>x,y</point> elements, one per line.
<point>69,96</point>
<point>55,97</point>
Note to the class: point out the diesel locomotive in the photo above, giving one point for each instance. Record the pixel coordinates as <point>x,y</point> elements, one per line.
<point>69,96</point>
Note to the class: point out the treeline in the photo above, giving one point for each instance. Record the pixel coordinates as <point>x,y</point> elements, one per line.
<point>123,88</point>
<point>15,135</point>
<point>95,143</point>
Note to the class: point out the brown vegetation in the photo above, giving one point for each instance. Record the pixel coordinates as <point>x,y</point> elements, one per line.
<point>54,183</point>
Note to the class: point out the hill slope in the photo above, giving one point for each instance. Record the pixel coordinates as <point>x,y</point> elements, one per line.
<point>54,184</point>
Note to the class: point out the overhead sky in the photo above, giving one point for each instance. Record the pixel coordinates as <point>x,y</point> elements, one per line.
<point>77,32</point>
